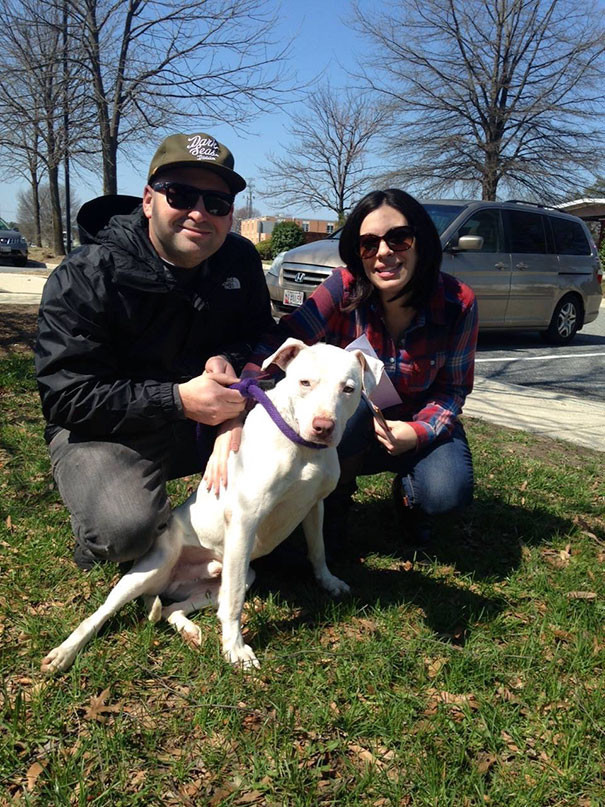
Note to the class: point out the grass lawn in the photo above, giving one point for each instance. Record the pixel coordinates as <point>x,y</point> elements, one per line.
<point>473,676</point>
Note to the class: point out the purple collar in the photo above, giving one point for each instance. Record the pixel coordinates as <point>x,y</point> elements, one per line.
<point>249,388</point>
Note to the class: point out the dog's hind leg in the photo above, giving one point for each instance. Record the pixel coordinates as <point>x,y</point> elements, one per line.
<point>176,613</point>
<point>148,576</point>
<point>204,596</point>
<point>313,529</point>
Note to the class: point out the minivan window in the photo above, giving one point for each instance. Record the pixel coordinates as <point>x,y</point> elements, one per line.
<point>526,231</point>
<point>485,223</point>
<point>443,215</point>
<point>570,238</point>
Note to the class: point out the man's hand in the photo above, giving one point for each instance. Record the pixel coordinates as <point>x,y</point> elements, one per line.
<point>398,438</point>
<point>228,439</point>
<point>207,399</point>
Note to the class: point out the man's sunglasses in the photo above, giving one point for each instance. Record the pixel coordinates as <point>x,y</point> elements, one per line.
<point>186,197</point>
<point>399,239</point>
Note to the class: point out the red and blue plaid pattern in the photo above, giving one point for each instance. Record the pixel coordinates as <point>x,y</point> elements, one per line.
<point>431,366</point>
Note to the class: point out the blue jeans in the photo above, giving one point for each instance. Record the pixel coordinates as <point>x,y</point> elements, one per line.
<point>437,479</point>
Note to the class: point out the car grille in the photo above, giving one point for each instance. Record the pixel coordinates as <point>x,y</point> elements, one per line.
<point>10,242</point>
<point>296,277</point>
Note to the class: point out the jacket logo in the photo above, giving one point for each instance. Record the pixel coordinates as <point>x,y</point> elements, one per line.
<point>299,277</point>
<point>232,283</point>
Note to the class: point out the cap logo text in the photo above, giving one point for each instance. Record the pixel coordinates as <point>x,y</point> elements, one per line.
<point>204,148</point>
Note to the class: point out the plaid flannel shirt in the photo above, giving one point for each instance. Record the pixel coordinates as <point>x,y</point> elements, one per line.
<point>432,364</point>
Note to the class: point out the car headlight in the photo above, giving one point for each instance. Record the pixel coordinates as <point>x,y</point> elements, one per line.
<point>276,265</point>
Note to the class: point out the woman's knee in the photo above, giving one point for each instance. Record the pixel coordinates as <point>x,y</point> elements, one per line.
<point>444,496</point>
<point>443,481</point>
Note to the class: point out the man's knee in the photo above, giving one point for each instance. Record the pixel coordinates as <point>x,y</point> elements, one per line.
<point>120,536</point>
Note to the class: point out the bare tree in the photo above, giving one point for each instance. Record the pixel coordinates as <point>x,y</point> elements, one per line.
<point>28,208</point>
<point>186,63</point>
<point>33,94</point>
<point>326,164</point>
<point>247,211</point>
<point>483,92</point>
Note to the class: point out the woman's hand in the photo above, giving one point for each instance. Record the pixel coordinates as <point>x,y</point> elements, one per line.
<point>228,439</point>
<point>398,438</point>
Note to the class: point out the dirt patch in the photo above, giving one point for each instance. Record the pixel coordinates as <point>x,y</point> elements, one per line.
<point>18,325</point>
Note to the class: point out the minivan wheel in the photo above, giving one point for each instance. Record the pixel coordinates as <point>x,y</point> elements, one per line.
<point>566,320</point>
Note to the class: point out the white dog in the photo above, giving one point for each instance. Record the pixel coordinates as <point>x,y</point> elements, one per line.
<point>274,484</point>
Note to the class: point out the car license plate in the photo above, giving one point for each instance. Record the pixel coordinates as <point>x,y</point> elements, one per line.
<point>294,297</point>
<point>4,249</point>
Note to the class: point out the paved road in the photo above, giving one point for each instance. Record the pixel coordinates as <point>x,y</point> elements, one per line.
<point>577,369</point>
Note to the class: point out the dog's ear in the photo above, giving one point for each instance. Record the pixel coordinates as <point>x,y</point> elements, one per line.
<point>284,355</point>
<point>372,369</point>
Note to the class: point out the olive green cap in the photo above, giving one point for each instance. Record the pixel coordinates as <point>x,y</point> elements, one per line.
<point>197,149</point>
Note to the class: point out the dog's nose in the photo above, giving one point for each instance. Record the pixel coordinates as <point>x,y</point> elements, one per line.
<point>323,427</point>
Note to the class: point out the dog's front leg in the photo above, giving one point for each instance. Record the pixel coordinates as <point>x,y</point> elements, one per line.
<point>239,538</point>
<point>313,529</point>
<point>148,576</point>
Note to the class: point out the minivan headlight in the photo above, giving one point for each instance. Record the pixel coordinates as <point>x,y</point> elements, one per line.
<point>276,265</point>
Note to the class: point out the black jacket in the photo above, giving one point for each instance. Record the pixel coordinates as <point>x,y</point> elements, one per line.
<point>117,329</point>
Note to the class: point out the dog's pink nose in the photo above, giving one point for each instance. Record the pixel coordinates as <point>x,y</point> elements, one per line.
<point>323,427</point>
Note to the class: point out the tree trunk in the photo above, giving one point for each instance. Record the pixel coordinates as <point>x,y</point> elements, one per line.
<point>489,180</point>
<point>55,202</point>
<point>35,184</point>
<point>110,164</point>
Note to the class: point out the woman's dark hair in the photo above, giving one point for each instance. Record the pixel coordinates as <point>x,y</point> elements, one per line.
<point>428,247</point>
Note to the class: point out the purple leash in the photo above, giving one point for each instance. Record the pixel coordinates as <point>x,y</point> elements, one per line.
<point>249,388</point>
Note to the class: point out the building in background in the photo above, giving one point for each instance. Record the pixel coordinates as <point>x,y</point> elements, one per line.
<point>260,228</point>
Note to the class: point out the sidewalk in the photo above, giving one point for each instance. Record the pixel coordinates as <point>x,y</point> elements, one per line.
<point>20,289</point>
<point>539,411</point>
<point>548,414</point>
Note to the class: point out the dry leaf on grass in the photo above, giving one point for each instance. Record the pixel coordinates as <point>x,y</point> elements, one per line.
<point>434,666</point>
<point>581,595</point>
<point>33,775</point>
<point>485,761</point>
<point>99,709</point>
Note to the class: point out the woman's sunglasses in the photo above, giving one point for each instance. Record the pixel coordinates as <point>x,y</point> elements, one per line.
<point>399,239</point>
<point>186,197</point>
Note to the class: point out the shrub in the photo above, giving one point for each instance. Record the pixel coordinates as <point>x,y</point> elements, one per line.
<point>265,250</point>
<point>286,235</point>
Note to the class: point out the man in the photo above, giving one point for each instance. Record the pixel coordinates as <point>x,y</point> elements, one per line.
<point>141,332</point>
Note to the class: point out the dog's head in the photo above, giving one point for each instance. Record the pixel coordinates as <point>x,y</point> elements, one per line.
<point>322,387</point>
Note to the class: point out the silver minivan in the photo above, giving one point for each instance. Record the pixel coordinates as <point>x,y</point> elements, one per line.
<point>531,267</point>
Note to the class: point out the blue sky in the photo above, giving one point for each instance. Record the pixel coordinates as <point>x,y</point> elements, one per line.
<point>322,43</point>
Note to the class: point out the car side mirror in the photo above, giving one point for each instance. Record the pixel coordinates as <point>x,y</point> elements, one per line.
<point>470,243</point>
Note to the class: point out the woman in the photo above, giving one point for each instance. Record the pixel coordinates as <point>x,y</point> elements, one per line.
<point>423,325</point>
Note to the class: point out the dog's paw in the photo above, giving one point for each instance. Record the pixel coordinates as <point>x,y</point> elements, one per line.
<point>242,656</point>
<point>334,585</point>
<point>58,660</point>
<point>154,606</point>
<point>190,633</point>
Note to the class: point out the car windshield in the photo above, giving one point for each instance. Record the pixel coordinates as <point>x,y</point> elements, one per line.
<point>4,225</point>
<point>442,215</point>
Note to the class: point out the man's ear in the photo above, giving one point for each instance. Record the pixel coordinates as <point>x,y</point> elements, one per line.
<point>372,369</point>
<point>284,355</point>
<point>147,197</point>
